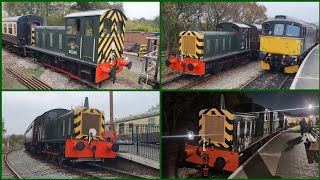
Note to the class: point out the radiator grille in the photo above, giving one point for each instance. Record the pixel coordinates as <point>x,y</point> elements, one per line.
<point>214,128</point>
<point>90,121</point>
<point>188,44</point>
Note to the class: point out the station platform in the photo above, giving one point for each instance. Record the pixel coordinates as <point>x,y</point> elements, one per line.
<point>141,160</point>
<point>307,76</point>
<point>285,156</point>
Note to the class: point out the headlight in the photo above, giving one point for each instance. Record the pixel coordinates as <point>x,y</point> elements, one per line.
<point>190,135</point>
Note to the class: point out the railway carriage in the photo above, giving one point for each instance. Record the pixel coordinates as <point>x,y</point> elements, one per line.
<point>285,41</point>
<point>74,135</point>
<point>208,52</point>
<point>17,31</point>
<point>226,139</point>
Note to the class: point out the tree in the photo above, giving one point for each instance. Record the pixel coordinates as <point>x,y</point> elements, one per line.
<point>180,16</point>
<point>4,130</point>
<point>154,108</point>
<point>54,11</point>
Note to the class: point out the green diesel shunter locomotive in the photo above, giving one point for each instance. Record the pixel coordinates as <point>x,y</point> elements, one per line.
<point>207,52</point>
<point>88,48</point>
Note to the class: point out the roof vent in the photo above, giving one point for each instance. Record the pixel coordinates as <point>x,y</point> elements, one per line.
<point>281,17</point>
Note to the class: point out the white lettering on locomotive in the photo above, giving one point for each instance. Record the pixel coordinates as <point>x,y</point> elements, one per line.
<point>73,52</point>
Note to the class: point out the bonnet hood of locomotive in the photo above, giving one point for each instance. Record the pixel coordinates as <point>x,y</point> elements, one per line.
<point>111,35</point>
<point>88,121</point>
<point>216,127</point>
<point>191,44</point>
<point>96,36</point>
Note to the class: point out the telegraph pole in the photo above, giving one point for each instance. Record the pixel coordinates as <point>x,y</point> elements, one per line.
<point>111,111</point>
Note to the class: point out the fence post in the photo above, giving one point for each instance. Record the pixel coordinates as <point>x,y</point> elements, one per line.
<point>131,128</point>
<point>137,139</point>
<point>147,126</point>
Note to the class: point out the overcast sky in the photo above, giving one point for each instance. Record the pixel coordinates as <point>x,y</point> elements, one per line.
<point>148,10</point>
<point>306,11</point>
<point>19,109</point>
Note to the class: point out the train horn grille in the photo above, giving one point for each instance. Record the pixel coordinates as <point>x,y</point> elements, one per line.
<point>188,44</point>
<point>90,121</point>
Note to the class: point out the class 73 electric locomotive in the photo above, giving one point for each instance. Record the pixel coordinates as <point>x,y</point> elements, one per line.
<point>208,52</point>
<point>88,48</point>
<point>285,42</point>
<point>226,139</point>
<point>73,135</point>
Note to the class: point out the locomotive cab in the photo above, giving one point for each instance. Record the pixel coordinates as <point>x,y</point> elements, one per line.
<point>284,43</point>
<point>97,37</point>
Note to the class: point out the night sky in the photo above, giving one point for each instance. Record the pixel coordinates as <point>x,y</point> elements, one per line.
<point>285,100</point>
<point>180,109</point>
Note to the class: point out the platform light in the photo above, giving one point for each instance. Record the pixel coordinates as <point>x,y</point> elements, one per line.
<point>311,116</point>
<point>191,135</point>
<point>310,106</point>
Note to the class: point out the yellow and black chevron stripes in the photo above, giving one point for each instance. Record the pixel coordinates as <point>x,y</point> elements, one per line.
<point>111,44</point>
<point>191,44</point>
<point>32,37</point>
<point>215,114</point>
<point>78,123</point>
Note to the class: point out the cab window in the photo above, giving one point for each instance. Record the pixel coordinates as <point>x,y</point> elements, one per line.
<point>107,26</point>
<point>293,30</point>
<point>120,27</point>
<point>89,27</point>
<point>278,29</point>
<point>10,28</point>
<point>73,26</point>
<point>266,29</point>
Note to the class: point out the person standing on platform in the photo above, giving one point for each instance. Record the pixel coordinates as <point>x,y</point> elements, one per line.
<point>303,126</point>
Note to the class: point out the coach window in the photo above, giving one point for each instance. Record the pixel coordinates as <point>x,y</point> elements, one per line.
<point>107,26</point>
<point>73,26</point>
<point>121,128</point>
<point>10,28</point>
<point>89,27</point>
<point>120,27</point>
<point>5,28</point>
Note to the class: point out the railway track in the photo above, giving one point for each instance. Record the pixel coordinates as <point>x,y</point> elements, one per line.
<point>89,169</point>
<point>10,167</point>
<point>270,80</point>
<point>267,80</point>
<point>97,171</point>
<point>194,81</point>
<point>30,82</point>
